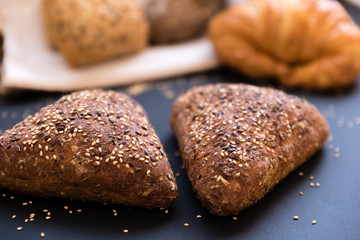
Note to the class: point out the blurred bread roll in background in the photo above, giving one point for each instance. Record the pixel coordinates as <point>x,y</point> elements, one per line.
<point>178,20</point>
<point>87,32</point>
<point>312,44</point>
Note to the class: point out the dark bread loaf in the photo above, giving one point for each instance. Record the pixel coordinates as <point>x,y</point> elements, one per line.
<point>238,141</point>
<point>86,32</point>
<point>90,145</point>
<point>179,20</point>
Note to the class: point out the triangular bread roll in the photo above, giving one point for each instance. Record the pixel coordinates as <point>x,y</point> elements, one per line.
<point>238,141</point>
<point>90,145</point>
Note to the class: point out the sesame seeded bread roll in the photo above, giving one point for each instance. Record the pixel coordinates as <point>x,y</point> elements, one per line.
<point>238,141</point>
<point>90,145</point>
<point>87,32</point>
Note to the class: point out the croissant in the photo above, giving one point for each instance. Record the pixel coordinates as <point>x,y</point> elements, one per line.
<point>312,44</point>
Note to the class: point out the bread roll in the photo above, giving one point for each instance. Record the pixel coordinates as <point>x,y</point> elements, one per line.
<point>238,141</point>
<point>87,32</point>
<point>90,145</point>
<point>179,20</point>
<point>312,44</point>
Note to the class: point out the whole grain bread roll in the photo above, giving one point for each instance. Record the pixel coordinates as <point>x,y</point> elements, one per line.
<point>90,145</point>
<point>238,141</point>
<point>179,20</point>
<point>87,32</point>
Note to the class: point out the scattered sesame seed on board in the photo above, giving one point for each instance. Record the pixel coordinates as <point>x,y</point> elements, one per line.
<point>296,217</point>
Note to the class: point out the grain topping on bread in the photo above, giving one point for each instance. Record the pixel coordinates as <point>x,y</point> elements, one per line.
<point>238,141</point>
<point>90,145</point>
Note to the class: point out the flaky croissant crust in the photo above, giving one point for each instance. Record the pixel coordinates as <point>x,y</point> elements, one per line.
<point>304,43</point>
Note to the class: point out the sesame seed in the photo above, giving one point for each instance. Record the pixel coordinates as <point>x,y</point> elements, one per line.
<point>45,210</point>
<point>296,217</point>
<point>234,218</point>
<point>313,222</point>
<point>47,217</point>
<point>186,224</point>
<point>66,207</point>
<point>125,231</point>
<point>198,216</point>
<point>300,193</point>
<point>79,210</point>
<point>311,177</point>
<point>26,220</point>
<point>311,184</point>
<point>19,228</point>
<point>42,234</point>
<point>301,174</point>
<point>166,211</point>
<point>13,216</point>
<point>317,184</point>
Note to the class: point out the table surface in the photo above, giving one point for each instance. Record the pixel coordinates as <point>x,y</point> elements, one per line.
<point>334,205</point>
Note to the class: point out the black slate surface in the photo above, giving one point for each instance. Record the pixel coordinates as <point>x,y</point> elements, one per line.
<point>335,205</point>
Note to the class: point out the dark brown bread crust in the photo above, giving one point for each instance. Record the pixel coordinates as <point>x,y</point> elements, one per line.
<point>238,141</point>
<point>179,20</point>
<point>90,145</point>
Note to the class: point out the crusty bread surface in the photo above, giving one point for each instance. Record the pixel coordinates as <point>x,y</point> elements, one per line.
<point>89,145</point>
<point>238,141</point>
